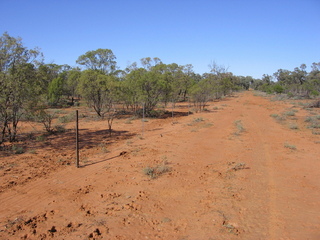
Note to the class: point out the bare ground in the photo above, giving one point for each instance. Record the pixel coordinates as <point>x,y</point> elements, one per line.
<point>234,173</point>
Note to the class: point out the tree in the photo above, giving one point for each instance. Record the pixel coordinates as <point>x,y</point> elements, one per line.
<point>100,59</point>
<point>100,92</point>
<point>72,82</point>
<point>19,85</point>
<point>201,93</point>
<point>55,90</point>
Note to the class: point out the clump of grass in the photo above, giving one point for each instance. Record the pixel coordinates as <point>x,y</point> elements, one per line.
<point>239,126</point>
<point>293,126</point>
<point>154,172</point>
<point>239,166</point>
<point>308,119</point>
<point>314,121</point>
<point>207,125</point>
<point>196,120</point>
<point>289,113</point>
<point>290,146</point>
<point>59,129</point>
<point>315,104</point>
<point>315,132</point>
<point>279,97</point>
<point>278,117</point>
<point>32,151</point>
<point>103,148</point>
<point>67,118</point>
<point>200,119</point>
<point>30,135</point>
<point>41,138</point>
<point>17,149</point>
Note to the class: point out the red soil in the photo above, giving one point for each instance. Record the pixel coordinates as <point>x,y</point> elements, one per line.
<point>226,182</point>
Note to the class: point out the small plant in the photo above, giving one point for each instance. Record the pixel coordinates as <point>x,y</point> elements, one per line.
<point>32,151</point>
<point>289,113</point>
<point>200,119</point>
<point>293,126</point>
<point>239,166</point>
<point>314,125</point>
<point>67,118</point>
<point>239,126</point>
<point>30,135</point>
<point>154,172</point>
<point>315,132</point>
<point>17,149</point>
<point>41,138</point>
<point>59,129</point>
<point>46,118</point>
<point>290,146</point>
<point>315,104</point>
<point>103,148</point>
<point>308,119</point>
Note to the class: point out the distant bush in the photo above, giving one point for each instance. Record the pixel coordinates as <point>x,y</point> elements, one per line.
<point>277,88</point>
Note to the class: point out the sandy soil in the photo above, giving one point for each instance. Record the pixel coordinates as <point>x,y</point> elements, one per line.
<point>235,172</point>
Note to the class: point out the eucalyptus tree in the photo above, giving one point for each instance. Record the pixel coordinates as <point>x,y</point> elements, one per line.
<point>72,82</point>
<point>101,59</point>
<point>100,92</point>
<point>19,85</point>
<point>202,92</point>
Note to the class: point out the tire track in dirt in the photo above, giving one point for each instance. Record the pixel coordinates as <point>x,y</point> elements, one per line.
<point>262,201</point>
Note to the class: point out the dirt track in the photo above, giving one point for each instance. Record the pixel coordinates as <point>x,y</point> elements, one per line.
<point>231,178</point>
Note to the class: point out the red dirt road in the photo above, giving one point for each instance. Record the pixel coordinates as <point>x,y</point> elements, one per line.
<point>231,178</point>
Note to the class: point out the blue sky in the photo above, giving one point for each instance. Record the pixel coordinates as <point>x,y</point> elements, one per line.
<point>251,37</point>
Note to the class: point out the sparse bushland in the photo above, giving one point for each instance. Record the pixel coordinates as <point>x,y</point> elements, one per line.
<point>296,84</point>
<point>31,86</point>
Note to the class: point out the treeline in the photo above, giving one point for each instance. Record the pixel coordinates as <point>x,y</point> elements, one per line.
<point>297,83</point>
<point>28,86</point>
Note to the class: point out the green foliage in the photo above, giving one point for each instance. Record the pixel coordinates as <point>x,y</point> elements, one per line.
<point>19,83</point>
<point>297,83</point>
<point>55,90</point>
<point>99,90</point>
<point>45,117</point>
<point>67,118</point>
<point>101,59</point>
<point>277,88</point>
